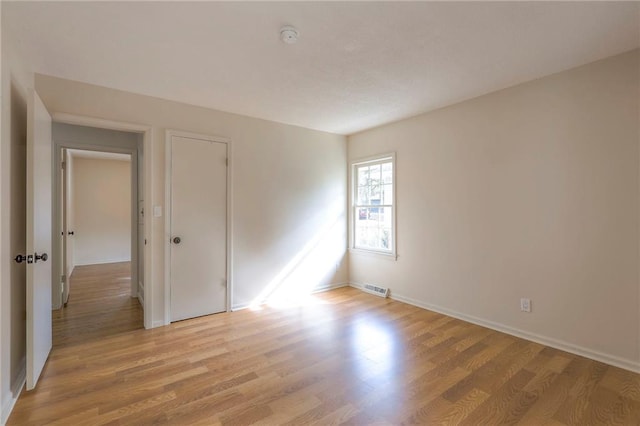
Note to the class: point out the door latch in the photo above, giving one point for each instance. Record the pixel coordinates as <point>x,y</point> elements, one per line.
<point>30,258</point>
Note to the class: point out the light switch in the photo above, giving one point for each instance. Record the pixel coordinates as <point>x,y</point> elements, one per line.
<point>157,211</point>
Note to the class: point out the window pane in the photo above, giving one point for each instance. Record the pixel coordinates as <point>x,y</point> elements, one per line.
<point>374,175</point>
<point>387,173</point>
<point>363,195</point>
<point>363,175</point>
<point>365,230</point>
<point>385,238</point>
<point>385,217</point>
<point>373,228</point>
<point>388,194</point>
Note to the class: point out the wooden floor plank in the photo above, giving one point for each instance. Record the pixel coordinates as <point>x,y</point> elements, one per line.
<point>351,358</point>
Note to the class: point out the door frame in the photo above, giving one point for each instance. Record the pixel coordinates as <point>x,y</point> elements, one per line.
<point>144,173</point>
<point>167,227</point>
<point>64,214</point>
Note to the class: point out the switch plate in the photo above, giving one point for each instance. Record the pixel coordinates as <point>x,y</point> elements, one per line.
<point>525,305</point>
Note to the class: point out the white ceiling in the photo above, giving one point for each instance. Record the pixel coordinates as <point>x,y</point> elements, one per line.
<point>357,64</point>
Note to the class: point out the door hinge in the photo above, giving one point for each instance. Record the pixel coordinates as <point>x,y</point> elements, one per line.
<point>63,279</point>
<point>63,165</point>
<point>226,161</point>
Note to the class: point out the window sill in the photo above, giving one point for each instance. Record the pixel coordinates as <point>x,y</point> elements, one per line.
<point>371,253</point>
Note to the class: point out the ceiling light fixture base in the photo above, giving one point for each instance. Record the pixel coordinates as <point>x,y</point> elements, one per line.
<point>289,34</point>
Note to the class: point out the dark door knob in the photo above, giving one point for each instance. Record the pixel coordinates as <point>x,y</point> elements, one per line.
<point>176,240</point>
<point>42,257</point>
<point>20,258</point>
<point>70,233</point>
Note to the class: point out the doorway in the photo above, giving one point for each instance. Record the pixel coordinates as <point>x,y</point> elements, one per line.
<point>100,233</point>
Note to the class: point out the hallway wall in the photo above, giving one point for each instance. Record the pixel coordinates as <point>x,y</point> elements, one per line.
<point>101,211</point>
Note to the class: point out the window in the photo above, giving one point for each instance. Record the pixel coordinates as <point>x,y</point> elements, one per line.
<point>373,205</point>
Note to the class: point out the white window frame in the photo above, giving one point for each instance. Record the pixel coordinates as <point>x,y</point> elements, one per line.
<point>376,159</point>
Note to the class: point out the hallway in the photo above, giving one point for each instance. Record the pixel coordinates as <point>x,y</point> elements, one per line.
<point>100,305</point>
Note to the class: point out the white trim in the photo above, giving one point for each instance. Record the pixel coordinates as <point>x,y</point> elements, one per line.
<point>373,160</point>
<point>329,287</point>
<point>378,254</point>
<point>149,184</point>
<point>626,364</point>
<point>167,196</point>
<point>147,147</point>
<point>79,120</point>
<point>105,262</point>
<point>167,229</point>
<point>240,307</point>
<point>13,394</point>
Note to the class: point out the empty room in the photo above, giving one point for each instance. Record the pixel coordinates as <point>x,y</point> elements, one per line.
<point>320,213</point>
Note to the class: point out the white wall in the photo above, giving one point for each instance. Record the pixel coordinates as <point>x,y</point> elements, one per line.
<point>15,81</point>
<point>288,187</point>
<point>528,192</point>
<point>101,211</point>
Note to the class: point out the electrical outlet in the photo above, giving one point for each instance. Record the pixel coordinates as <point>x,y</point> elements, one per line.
<point>525,305</point>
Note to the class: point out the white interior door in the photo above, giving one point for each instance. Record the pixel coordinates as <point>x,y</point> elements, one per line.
<point>39,210</point>
<point>198,268</point>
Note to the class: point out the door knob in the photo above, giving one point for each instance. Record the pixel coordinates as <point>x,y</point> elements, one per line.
<point>21,258</point>
<point>42,257</point>
<point>176,240</point>
<point>70,233</point>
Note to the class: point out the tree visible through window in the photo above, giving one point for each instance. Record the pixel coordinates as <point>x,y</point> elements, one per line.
<point>373,205</point>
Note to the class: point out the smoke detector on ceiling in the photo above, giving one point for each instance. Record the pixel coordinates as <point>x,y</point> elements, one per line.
<point>289,34</point>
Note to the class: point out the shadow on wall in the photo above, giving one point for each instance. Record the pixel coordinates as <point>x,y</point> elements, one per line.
<point>307,271</point>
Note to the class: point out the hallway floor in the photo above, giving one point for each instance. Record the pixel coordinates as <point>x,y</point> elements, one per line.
<point>99,305</point>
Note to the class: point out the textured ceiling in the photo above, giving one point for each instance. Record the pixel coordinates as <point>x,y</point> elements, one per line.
<point>357,64</point>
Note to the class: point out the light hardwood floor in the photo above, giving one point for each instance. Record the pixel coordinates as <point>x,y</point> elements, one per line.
<point>99,305</point>
<point>350,358</point>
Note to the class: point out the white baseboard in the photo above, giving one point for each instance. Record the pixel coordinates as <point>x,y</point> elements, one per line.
<point>103,262</point>
<point>329,287</point>
<point>11,399</point>
<point>240,307</point>
<point>623,363</point>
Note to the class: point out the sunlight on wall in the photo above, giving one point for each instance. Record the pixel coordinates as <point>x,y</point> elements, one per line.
<point>309,270</point>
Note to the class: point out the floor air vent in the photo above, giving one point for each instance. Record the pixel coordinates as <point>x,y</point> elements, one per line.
<point>378,291</point>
